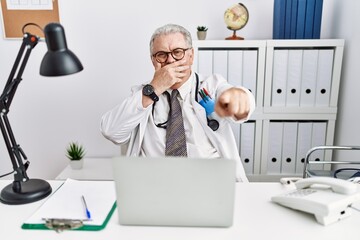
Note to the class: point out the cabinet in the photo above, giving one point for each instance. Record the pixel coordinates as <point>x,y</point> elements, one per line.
<point>296,86</point>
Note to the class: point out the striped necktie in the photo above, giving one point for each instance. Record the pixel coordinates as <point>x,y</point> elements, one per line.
<point>175,132</point>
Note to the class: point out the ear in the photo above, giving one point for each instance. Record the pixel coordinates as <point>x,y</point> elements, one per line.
<point>191,57</point>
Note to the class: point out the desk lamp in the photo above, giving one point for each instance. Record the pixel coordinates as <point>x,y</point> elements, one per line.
<point>58,61</point>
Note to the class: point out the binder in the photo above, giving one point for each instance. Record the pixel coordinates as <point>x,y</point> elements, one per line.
<point>288,9</point>
<point>294,9</point>
<point>66,203</point>
<point>250,70</point>
<point>236,129</point>
<point>318,139</point>
<point>309,19</point>
<point>294,78</point>
<point>309,75</point>
<point>324,76</point>
<point>300,20</point>
<point>205,62</point>
<point>279,78</point>
<point>317,19</point>
<point>279,19</point>
<point>235,67</point>
<point>303,144</point>
<point>274,147</point>
<point>289,148</point>
<point>220,62</point>
<point>247,146</point>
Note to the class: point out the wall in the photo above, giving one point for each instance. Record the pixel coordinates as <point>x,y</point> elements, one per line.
<point>348,127</point>
<point>111,39</point>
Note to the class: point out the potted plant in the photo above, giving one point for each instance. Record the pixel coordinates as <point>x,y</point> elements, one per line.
<point>75,153</point>
<point>201,32</point>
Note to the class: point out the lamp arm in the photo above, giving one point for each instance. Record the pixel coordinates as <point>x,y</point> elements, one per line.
<point>15,152</point>
<point>58,61</point>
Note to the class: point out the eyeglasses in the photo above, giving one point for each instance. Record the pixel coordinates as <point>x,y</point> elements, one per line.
<point>347,173</point>
<point>177,54</point>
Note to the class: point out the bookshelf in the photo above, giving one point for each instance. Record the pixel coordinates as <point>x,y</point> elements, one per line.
<point>296,86</point>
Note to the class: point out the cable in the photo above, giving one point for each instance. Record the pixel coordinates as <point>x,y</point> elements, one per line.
<point>1,176</point>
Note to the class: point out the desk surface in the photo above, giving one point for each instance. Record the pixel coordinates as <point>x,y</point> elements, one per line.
<point>256,217</point>
<point>93,169</point>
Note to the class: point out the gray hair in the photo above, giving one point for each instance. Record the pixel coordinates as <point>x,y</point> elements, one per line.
<point>168,29</point>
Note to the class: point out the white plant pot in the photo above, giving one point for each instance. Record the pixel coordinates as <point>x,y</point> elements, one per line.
<point>201,35</point>
<point>77,164</point>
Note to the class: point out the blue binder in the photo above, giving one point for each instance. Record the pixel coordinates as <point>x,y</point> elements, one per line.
<point>288,9</point>
<point>317,19</point>
<point>309,19</point>
<point>300,22</point>
<point>294,9</point>
<point>279,19</point>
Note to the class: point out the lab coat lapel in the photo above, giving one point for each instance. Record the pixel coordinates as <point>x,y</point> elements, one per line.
<point>201,115</point>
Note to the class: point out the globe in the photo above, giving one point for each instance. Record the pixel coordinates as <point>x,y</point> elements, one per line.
<point>236,17</point>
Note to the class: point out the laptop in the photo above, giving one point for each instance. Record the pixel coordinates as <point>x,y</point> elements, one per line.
<point>175,191</point>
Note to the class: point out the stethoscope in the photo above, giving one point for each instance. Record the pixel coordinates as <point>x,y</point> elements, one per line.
<point>212,123</point>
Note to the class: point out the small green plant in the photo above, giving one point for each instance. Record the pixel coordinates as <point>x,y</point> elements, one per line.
<point>75,151</point>
<point>202,28</point>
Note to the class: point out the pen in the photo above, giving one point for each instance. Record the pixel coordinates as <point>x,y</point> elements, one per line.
<point>202,95</point>
<point>88,215</point>
<point>206,92</point>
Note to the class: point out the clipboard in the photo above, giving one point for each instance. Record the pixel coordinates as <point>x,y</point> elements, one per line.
<point>64,209</point>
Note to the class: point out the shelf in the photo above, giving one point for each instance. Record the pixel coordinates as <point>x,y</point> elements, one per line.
<point>296,86</point>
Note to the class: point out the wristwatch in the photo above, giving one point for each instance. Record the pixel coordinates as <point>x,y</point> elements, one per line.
<point>148,90</point>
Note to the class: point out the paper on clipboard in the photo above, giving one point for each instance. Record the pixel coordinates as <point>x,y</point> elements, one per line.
<point>66,203</point>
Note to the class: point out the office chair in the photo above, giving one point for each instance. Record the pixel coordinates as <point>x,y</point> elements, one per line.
<point>338,169</point>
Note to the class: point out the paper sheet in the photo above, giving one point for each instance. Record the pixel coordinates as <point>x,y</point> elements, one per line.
<point>29,4</point>
<point>67,203</point>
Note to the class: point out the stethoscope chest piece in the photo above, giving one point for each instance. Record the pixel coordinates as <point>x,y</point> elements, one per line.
<point>213,124</point>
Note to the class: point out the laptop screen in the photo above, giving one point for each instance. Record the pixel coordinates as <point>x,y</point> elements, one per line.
<point>173,191</point>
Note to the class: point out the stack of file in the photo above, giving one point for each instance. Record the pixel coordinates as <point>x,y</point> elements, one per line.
<point>302,77</point>
<point>297,19</point>
<point>290,141</point>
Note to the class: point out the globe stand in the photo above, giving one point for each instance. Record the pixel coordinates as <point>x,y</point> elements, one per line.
<point>234,37</point>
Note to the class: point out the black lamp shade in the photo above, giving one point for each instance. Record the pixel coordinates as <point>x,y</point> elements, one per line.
<point>58,60</point>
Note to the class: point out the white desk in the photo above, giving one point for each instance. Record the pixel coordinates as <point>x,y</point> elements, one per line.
<point>256,217</point>
<point>93,169</point>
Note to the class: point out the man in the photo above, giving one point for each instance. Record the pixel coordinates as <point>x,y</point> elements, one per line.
<point>142,120</point>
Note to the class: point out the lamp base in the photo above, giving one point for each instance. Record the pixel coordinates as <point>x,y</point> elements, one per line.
<point>31,191</point>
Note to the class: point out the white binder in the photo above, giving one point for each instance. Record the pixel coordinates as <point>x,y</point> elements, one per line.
<point>278,94</point>
<point>250,70</point>
<point>275,147</point>
<point>318,139</point>
<point>309,75</point>
<point>220,63</point>
<point>294,78</point>
<point>205,62</point>
<point>247,146</point>
<point>234,77</point>
<point>303,144</point>
<point>325,67</point>
<point>289,148</point>
<point>235,67</point>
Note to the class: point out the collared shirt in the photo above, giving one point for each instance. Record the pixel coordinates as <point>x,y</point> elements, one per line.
<point>198,145</point>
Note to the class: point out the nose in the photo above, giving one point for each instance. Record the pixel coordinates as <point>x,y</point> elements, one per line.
<point>170,58</point>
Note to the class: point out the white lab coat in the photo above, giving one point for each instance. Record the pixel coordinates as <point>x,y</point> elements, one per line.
<point>222,139</point>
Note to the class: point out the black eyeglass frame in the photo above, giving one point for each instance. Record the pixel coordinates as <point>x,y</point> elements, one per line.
<point>172,55</point>
<point>356,170</point>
